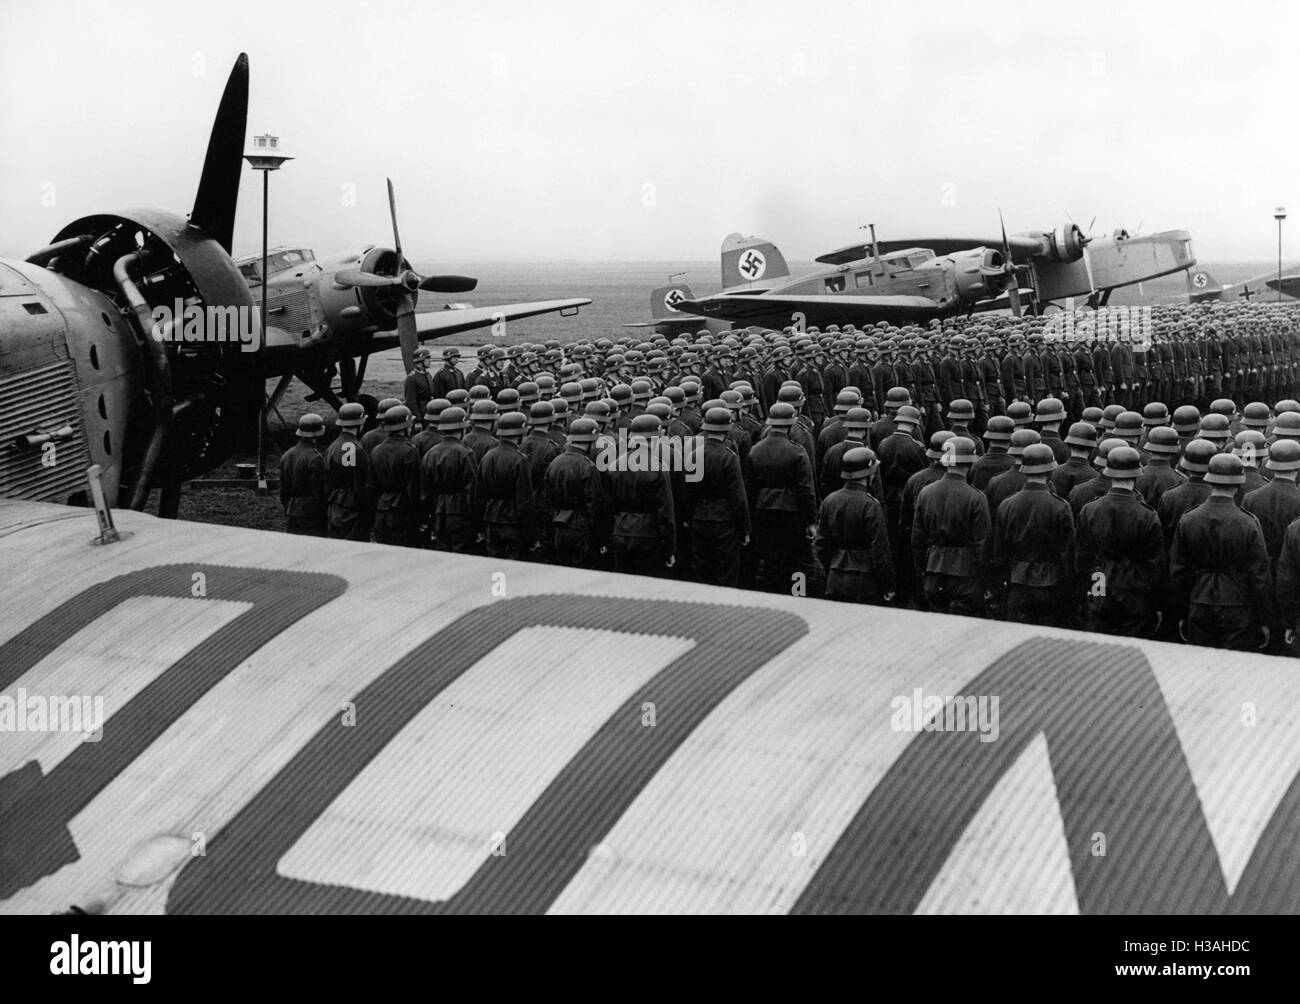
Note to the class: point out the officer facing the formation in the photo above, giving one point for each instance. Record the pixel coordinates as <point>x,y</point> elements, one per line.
<point>347,466</point>
<point>302,480</point>
<point>852,543</point>
<point>449,377</point>
<point>1033,545</point>
<point>394,481</point>
<point>950,532</point>
<point>418,388</point>
<point>718,508</point>
<point>573,486</point>
<point>1219,567</point>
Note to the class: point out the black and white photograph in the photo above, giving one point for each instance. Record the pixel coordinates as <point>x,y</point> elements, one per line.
<point>718,458</point>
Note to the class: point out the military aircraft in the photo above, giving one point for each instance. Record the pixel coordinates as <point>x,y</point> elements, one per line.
<point>918,279</point>
<point>90,374</point>
<point>1201,286</point>
<point>667,320</point>
<point>598,743</point>
<point>328,316</point>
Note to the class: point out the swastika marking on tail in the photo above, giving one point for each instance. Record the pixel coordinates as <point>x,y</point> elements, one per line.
<point>752,264</point>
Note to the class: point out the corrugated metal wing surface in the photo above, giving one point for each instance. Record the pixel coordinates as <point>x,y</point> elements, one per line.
<point>347,727</point>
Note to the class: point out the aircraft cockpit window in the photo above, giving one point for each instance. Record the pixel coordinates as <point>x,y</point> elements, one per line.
<point>863,279</point>
<point>251,271</point>
<point>835,284</point>
<point>282,260</point>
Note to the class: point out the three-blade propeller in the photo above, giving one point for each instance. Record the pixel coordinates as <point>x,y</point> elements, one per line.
<point>1010,280</point>
<point>407,283</point>
<point>1085,240</point>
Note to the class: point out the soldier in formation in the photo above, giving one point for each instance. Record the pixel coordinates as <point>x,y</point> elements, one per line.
<point>1134,478</point>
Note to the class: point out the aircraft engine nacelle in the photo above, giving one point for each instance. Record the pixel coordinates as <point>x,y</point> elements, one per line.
<point>977,274</point>
<point>347,312</point>
<point>1064,244</point>
<point>200,376</point>
<point>70,386</point>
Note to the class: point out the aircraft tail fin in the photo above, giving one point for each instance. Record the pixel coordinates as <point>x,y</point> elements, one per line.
<point>1202,286</point>
<point>751,262</point>
<point>664,300</point>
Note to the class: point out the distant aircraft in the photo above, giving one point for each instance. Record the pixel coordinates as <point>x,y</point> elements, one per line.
<point>668,320</point>
<point>915,280</point>
<point>331,314</point>
<point>1201,286</point>
<point>89,374</point>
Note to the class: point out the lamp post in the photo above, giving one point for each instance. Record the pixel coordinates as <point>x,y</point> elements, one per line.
<point>265,157</point>
<point>1279,214</point>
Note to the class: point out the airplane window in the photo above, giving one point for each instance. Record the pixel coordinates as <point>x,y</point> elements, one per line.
<point>251,271</point>
<point>292,257</point>
<point>835,284</point>
<point>863,279</point>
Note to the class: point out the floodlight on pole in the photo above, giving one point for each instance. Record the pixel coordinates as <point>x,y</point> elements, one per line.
<point>266,157</point>
<point>1279,214</point>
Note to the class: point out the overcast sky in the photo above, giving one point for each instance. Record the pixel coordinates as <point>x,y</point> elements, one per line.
<point>543,131</point>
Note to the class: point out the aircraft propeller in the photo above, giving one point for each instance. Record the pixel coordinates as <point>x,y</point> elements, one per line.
<point>407,284</point>
<point>214,202</point>
<point>1006,271</point>
<point>1084,241</point>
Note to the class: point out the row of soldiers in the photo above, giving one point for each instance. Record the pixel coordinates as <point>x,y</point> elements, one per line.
<point>1189,354</point>
<point>515,472</point>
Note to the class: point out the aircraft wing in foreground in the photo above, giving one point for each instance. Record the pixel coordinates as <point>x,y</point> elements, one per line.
<point>280,730</point>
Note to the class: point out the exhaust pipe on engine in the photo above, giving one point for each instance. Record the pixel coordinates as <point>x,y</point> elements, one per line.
<point>159,375</point>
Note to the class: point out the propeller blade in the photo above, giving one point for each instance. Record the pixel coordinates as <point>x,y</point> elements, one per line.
<point>448,283</point>
<point>392,208</point>
<point>408,337</point>
<point>214,203</point>
<point>1087,264</point>
<point>1014,294</point>
<point>355,277</point>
